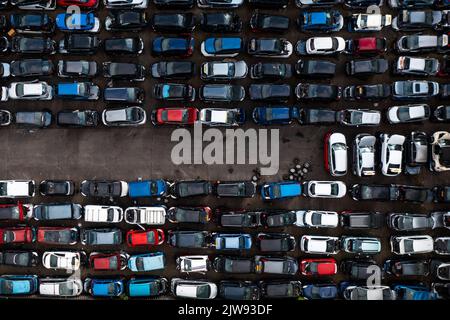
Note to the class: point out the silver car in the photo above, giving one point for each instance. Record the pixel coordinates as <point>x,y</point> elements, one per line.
<point>127,116</point>
<point>223,70</point>
<point>364,155</point>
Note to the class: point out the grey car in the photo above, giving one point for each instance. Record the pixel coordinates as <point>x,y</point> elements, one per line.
<point>222,93</point>
<point>414,89</point>
<point>364,155</point>
<point>127,116</point>
<point>418,66</point>
<point>79,68</point>
<point>189,239</point>
<point>101,237</point>
<point>410,222</point>
<point>276,265</point>
<point>33,119</point>
<point>57,211</point>
<point>223,70</point>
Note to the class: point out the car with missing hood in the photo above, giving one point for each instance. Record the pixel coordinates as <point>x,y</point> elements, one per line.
<point>234,265</point>
<point>146,215</point>
<point>270,47</point>
<point>222,117</point>
<point>200,215</point>
<point>440,151</point>
<point>360,117</point>
<point>189,239</point>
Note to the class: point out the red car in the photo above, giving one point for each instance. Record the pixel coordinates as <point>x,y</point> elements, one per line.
<point>368,45</point>
<point>17,235</point>
<point>79,3</point>
<point>14,212</point>
<point>108,261</point>
<point>150,237</point>
<point>176,116</point>
<point>318,267</point>
<point>57,235</point>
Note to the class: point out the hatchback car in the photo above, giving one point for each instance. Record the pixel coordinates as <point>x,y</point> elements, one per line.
<point>222,47</point>
<point>103,188</point>
<point>321,46</point>
<point>361,245</point>
<point>173,70</point>
<point>281,190</point>
<point>30,68</point>
<point>238,241</point>
<point>315,68</point>
<point>335,154</point>
<point>440,151</point>
<point>261,22</point>
<point>391,154</point>
<point>222,93</point>
<point>127,116</point>
<point>190,188</point>
<point>172,46</point>
<point>123,71</point>
<point>173,22</point>
<point>126,20</point>
<point>319,244</point>
<point>318,92</point>
<point>414,90</point>
<point>193,289</point>
<point>409,245</point>
<point>101,237</point>
<point>321,21</point>
<point>408,113</point>
<point>174,92</point>
<point>325,189</point>
<point>276,115</point>
<point>79,44</point>
<point>220,22</point>
<point>364,162</point>
<point>32,45</point>
<point>174,116</point>
<point>416,66</point>
<point>189,239</point>
<point>270,92</point>
<point>223,70</point>
<point>270,47</point>
<point>81,22</point>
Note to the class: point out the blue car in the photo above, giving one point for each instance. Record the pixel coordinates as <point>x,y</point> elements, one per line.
<point>173,46</point>
<point>320,291</point>
<point>18,285</point>
<point>280,190</point>
<point>147,262</point>
<point>322,21</point>
<point>275,115</point>
<point>77,91</point>
<point>104,287</point>
<point>86,22</point>
<point>222,47</point>
<point>419,292</point>
<point>239,241</point>
<point>147,188</point>
<point>147,287</point>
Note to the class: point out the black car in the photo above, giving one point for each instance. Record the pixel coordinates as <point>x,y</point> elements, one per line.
<point>103,189</point>
<point>173,4</point>
<point>174,91</point>
<point>442,113</point>
<point>33,119</point>
<point>358,269</point>
<point>173,46</point>
<point>411,193</point>
<point>77,118</point>
<point>183,189</point>
<point>126,20</point>
<point>189,239</point>
<point>189,214</point>
<point>366,67</point>
<point>239,290</point>
<point>239,219</point>
<point>79,43</point>
<point>269,47</point>
<point>362,3</point>
<point>444,90</point>
<point>262,22</point>
<point>173,70</point>
<point>441,194</point>
<point>416,149</point>
<point>231,264</point>
<point>407,268</point>
<point>280,218</point>
<point>4,44</point>
<point>4,22</point>
<point>19,258</point>
<point>5,118</point>
<point>57,188</point>
<point>123,71</point>
<point>367,92</point>
<point>220,22</point>
<point>32,23</point>
<point>31,68</point>
<point>442,290</point>
<point>362,220</point>
<point>31,45</point>
<point>318,116</point>
<point>273,289</point>
<point>270,92</point>
<point>131,45</point>
<point>75,69</point>
<point>271,71</point>
<point>315,68</point>
<point>323,92</point>
<point>173,22</point>
<point>222,93</point>
<point>241,189</point>
<point>127,95</point>
<point>279,242</point>
<point>392,192</point>
<point>361,192</point>
<point>269,4</point>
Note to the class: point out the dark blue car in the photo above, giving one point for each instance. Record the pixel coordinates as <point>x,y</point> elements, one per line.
<point>275,115</point>
<point>322,21</point>
<point>320,291</point>
<point>104,287</point>
<point>173,46</point>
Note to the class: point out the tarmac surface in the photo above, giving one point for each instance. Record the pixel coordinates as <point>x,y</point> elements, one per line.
<point>144,152</point>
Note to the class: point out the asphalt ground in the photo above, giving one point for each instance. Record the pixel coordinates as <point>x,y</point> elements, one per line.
<point>144,152</point>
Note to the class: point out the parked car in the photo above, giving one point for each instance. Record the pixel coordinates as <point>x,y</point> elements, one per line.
<point>353,292</point>
<point>5,118</point>
<point>441,113</point>
<point>322,291</point>
<point>220,22</point>
<point>33,119</point>
<point>193,289</point>
<point>17,235</point>
<point>216,4</point>
<point>173,70</point>
<point>366,67</point>
<point>392,154</point>
<point>362,220</point>
<point>147,188</point>
<point>369,22</point>
<point>321,21</point>
<point>77,118</point>
<point>243,219</point>
<point>317,116</point>
<point>172,46</point>
<point>90,4</point>
<point>174,92</point>
<point>270,92</point>
<point>194,263</point>
<point>440,151</point>
<point>114,261</point>
<point>149,237</point>
<point>169,4</point>
<point>99,188</point>
<point>319,244</point>
<point>270,71</point>
<point>335,154</point>
<point>104,287</point>
<point>234,265</point>
<point>283,265</point>
<point>103,214</point>
<point>60,287</point>
<point>270,47</point>
<point>16,211</point>
<point>245,189</point>
<point>366,46</point>
<point>280,190</point>
<point>441,269</point>
<point>316,219</point>
<point>78,91</point>
<point>226,241</point>
<point>174,22</point>
<point>147,262</point>
<point>276,115</point>
<point>360,117</point>
<point>13,285</point>
<point>101,237</point>
<point>71,22</point>
<point>146,215</point>
<point>19,258</point>
<point>274,289</point>
<point>321,46</point>
<point>57,211</point>
<point>123,71</point>
<point>129,95</point>
<point>414,90</point>
<point>126,20</point>
<point>421,43</point>
<point>32,23</point>
<point>408,20</point>
<point>416,149</point>
<point>407,268</point>
<point>262,22</point>
<point>79,44</point>
<point>408,245</point>
<point>147,287</point>
<point>57,235</point>
<point>361,245</point>
<point>405,65</point>
<point>32,45</point>
<point>77,68</point>
<point>17,188</point>
<point>127,116</point>
<point>408,113</point>
<point>318,267</point>
<point>442,245</point>
<point>62,260</point>
<point>174,116</point>
<point>223,70</point>
<point>222,116</point>
<point>269,4</point>
<point>317,3</point>
<point>189,214</point>
<point>222,93</point>
<point>324,189</point>
<point>371,92</point>
<point>30,90</point>
<point>315,68</point>
<point>239,290</point>
<point>182,189</point>
<point>275,242</point>
<point>30,68</point>
<point>441,193</point>
<point>318,92</point>
<point>358,269</point>
<point>123,46</point>
<point>189,239</point>
<point>119,4</point>
<point>222,47</point>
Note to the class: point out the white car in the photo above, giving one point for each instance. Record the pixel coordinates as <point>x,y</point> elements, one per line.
<point>223,70</point>
<point>125,4</point>
<point>35,5</point>
<point>221,116</point>
<point>105,214</point>
<point>61,260</point>
<point>391,154</point>
<point>319,244</point>
<point>5,70</point>
<point>60,287</point>
<point>360,117</point>
<point>196,263</point>
<point>321,46</point>
<point>146,215</point>
<point>325,189</point>
<point>405,65</point>
<point>4,95</point>
<point>364,155</point>
<point>369,293</point>
<point>33,90</point>
<point>17,188</point>
<point>402,245</point>
<point>194,289</point>
<point>408,113</point>
<point>336,154</point>
<point>369,22</point>
<point>317,219</point>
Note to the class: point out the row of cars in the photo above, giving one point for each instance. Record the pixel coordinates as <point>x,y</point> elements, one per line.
<point>184,46</point>
<point>203,289</point>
